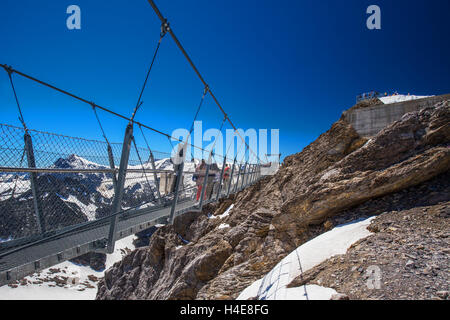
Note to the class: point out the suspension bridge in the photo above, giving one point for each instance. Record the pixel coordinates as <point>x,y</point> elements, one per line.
<point>62,197</point>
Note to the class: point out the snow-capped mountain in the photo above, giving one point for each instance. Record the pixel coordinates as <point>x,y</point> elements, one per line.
<point>72,198</point>
<point>75,162</point>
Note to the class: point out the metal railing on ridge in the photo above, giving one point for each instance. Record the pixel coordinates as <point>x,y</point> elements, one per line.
<point>53,186</point>
<point>61,197</point>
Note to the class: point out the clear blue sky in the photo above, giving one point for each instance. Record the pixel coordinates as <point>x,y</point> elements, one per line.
<point>288,65</point>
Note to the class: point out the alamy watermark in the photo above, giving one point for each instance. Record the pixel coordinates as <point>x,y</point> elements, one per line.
<point>230,143</point>
<point>373,275</point>
<point>73,21</point>
<point>374,20</point>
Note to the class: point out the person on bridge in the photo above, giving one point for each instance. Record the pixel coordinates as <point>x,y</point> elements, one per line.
<point>213,179</point>
<point>199,177</point>
<point>226,177</point>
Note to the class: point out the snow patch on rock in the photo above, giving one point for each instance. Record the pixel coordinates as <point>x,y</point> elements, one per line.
<point>334,242</point>
<point>84,288</point>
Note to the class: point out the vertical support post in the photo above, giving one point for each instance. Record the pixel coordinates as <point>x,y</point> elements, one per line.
<point>34,189</point>
<point>118,197</point>
<point>238,177</point>
<point>112,166</point>
<point>243,177</point>
<point>249,175</point>
<point>155,176</point>
<point>249,169</point>
<point>179,178</point>
<point>254,173</point>
<point>166,179</point>
<point>231,178</point>
<point>205,185</point>
<point>219,189</point>
<point>247,180</point>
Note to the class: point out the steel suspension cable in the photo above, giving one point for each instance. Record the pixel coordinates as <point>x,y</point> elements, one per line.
<point>100,124</point>
<point>139,102</point>
<point>169,29</point>
<point>90,103</point>
<point>143,168</point>
<point>10,71</point>
<point>16,178</point>
<point>170,141</point>
<point>215,140</point>
<point>205,92</point>
<point>145,140</point>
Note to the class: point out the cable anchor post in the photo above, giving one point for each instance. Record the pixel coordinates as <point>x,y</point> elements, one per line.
<point>140,103</point>
<point>8,69</point>
<point>205,91</point>
<point>165,27</point>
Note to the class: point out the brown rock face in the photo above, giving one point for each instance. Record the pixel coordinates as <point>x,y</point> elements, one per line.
<point>408,249</point>
<point>338,171</point>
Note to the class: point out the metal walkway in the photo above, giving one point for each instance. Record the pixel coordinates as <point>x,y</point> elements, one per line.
<point>43,252</point>
<point>62,197</point>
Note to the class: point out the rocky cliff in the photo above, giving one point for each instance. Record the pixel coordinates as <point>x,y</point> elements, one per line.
<point>337,173</point>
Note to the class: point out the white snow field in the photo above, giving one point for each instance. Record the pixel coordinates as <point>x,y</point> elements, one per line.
<point>400,98</point>
<point>50,291</point>
<point>334,242</point>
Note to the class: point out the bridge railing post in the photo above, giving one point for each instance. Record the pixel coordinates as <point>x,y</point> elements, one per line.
<point>40,221</point>
<point>250,171</point>
<point>179,167</point>
<point>219,189</point>
<point>118,196</point>
<point>155,177</point>
<point>204,186</point>
<point>253,174</point>
<point>243,177</point>
<point>250,176</point>
<point>230,180</point>
<point>235,188</point>
<point>112,166</point>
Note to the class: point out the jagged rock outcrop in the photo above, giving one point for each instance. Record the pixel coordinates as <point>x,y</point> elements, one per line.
<point>338,171</point>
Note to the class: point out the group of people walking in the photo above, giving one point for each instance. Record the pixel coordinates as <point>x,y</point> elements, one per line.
<point>212,180</point>
<point>375,94</point>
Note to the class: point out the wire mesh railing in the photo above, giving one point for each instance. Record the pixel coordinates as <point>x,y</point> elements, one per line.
<point>53,185</point>
<point>49,182</point>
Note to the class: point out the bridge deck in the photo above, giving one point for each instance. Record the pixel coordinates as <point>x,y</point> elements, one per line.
<point>48,253</point>
<point>40,254</point>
